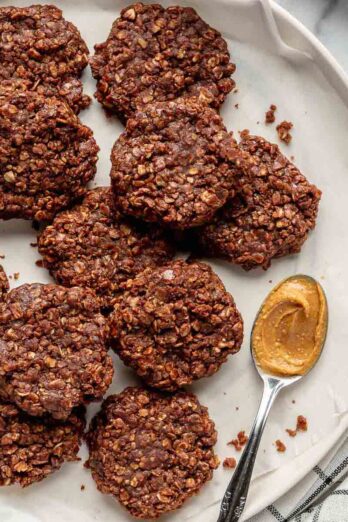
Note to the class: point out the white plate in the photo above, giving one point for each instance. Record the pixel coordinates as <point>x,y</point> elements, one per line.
<point>291,69</point>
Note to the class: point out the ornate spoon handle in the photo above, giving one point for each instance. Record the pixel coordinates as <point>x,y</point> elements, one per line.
<point>233,503</point>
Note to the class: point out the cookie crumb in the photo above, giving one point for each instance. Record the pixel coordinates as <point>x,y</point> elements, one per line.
<point>283,130</point>
<point>244,133</point>
<point>16,275</point>
<point>240,441</point>
<point>242,438</point>
<point>236,105</point>
<point>230,463</point>
<point>83,487</point>
<point>280,446</point>
<point>302,424</point>
<point>293,401</point>
<point>33,244</point>
<point>269,116</point>
<point>39,263</point>
<point>235,443</point>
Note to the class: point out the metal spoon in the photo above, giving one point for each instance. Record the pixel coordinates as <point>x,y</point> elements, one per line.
<point>234,500</point>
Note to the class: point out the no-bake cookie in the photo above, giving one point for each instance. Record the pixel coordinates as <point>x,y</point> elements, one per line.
<point>151,451</point>
<point>32,448</point>
<point>175,324</point>
<point>38,45</point>
<point>93,245</point>
<point>169,165</point>
<point>53,355</point>
<point>158,54</point>
<point>271,213</point>
<point>46,155</point>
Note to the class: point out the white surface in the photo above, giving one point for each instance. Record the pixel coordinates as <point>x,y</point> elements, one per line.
<point>268,71</point>
<point>327,20</point>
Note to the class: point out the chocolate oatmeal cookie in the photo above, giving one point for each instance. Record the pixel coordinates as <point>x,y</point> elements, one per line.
<point>175,324</point>
<point>168,166</point>
<point>92,245</point>
<point>53,354</point>
<point>151,451</point>
<point>33,448</point>
<point>273,210</point>
<point>4,286</point>
<point>158,54</point>
<point>37,44</point>
<point>46,155</point>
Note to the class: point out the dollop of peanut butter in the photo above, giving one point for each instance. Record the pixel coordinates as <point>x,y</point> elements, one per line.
<point>290,328</point>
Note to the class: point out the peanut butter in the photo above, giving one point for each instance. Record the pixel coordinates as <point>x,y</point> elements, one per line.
<point>290,328</point>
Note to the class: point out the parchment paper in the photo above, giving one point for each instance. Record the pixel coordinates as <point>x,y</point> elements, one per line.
<point>268,71</point>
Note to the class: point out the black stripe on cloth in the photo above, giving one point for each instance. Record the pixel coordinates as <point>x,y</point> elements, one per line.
<point>319,490</point>
<point>322,475</point>
<point>317,513</point>
<point>276,514</point>
<point>339,468</point>
<point>340,492</point>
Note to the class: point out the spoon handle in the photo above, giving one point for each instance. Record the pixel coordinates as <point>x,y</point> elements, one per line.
<point>233,503</point>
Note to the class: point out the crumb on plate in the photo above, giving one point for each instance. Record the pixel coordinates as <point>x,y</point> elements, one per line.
<point>269,116</point>
<point>283,130</point>
<point>229,463</point>
<point>280,446</point>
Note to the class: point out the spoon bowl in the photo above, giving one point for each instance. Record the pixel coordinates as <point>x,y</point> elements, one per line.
<point>234,500</point>
<point>289,379</point>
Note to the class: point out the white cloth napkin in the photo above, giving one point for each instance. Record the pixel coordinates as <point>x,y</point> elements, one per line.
<point>322,496</point>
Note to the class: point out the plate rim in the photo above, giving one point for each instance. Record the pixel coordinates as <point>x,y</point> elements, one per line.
<point>338,78</point>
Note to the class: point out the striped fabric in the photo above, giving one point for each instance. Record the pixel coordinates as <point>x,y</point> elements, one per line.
<point>325,498</point>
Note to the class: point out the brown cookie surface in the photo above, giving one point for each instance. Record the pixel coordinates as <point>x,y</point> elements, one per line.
<point>92,245</point>
<point>151,451</point>
<point>47,155</point>
<point>33,448</point>
<point>158,54</point>
<point>271,213</point>
<point>38,45</point>
<point>175,324</point>
<point>4,285</point>
<point>53,355</point>
<point>169,166</point>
